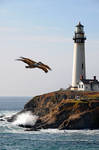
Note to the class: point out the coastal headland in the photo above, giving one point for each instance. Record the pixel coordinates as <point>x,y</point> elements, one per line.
<point>64,109</point>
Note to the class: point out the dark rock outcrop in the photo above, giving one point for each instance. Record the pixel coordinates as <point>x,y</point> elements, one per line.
<point>65,110</point>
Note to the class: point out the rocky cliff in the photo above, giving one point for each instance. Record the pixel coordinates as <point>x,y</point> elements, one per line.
<point>65,110</point>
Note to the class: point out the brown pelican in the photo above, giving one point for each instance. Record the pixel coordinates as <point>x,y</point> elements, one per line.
<point>34,64</point>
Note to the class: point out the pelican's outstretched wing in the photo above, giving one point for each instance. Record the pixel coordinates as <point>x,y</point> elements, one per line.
<point>43,68</point>
<point>26,60</point>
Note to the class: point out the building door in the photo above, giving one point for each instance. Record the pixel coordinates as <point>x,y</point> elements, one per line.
<point>91,86</point>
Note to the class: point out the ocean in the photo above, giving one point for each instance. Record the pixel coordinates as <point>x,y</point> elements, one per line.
<point>13,137</point>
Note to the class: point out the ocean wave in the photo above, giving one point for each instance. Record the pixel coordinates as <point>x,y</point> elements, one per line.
<point>26,118</point>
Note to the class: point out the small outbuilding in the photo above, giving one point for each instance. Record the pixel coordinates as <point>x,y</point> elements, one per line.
<point>88,84</point>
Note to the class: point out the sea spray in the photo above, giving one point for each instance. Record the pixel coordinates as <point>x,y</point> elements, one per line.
<point>26,119</point>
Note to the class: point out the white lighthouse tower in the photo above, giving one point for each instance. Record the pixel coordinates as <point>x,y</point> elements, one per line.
<point>79,68</point>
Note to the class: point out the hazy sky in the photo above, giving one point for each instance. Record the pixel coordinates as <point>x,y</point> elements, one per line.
<point>43,30</point>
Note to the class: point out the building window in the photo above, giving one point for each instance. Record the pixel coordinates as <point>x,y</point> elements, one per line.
<point>82,66</point>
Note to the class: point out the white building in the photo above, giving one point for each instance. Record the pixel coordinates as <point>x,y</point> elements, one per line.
<point>79,81</point>
<point>88,85</point>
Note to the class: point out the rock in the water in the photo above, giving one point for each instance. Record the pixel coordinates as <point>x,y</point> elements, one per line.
<point>2,120</point>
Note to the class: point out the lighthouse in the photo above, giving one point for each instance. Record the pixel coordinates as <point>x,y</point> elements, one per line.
<point>79,66</point>
<point>79,81</point>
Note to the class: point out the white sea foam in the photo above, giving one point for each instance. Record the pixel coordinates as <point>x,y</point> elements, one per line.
<point>70,132</point>
<point>26,118</point>
<point>86,131</point>
<point>52,131</point>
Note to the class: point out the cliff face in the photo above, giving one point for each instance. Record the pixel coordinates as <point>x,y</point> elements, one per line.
<point>66,110</point>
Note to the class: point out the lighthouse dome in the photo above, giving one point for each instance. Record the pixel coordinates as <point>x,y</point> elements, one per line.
<point>79,28</point>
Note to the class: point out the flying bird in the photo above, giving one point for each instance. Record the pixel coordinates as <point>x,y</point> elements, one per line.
<point>34,64</point>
